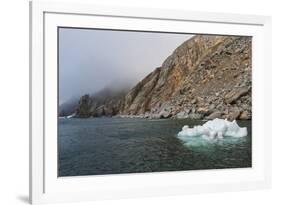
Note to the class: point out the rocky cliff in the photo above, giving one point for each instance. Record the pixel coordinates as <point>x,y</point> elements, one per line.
<point>106,102</point>
<point>206,77</point>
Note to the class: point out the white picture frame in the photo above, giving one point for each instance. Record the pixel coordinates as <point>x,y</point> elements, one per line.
<point>46,187</point>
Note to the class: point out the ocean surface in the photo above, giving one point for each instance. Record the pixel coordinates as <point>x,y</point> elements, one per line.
<point>98,146</point>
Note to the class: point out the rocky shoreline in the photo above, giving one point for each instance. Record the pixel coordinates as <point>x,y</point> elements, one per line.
<point>206,77</point>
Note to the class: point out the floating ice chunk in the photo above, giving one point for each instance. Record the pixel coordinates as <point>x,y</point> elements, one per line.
<point>185,127</point>
<point>213,129</point>
<point>70,116</point>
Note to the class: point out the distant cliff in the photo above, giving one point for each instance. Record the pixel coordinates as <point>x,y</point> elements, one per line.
<point>106,102</point>
<point>206,77</point>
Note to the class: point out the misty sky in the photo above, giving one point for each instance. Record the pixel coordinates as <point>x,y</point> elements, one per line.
<point>90,60</point>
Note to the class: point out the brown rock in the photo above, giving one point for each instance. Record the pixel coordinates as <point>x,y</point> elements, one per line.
<point>182,115</point>
<point>245,115</point>
<point>195,116</point>
<point>165,114</point>
<point>193,101</point>
<point>233,115</point>
<point>235,94</point>
<point>203,110</point>
<point>216,114</point>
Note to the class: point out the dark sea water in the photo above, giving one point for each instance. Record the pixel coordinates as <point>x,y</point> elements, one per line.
<point>98,146</point>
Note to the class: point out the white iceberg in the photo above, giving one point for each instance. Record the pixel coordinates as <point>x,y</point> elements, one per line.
<point>70,116</point>
<point>213,129</point>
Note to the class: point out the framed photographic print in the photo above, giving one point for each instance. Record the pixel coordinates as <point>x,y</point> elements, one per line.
<point>129,102</point>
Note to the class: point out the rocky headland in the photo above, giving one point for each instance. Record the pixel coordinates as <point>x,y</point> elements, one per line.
<point>206,77</point>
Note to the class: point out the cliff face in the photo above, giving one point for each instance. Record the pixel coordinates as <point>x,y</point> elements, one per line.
<point>107,102</point>
<point>205,77</point>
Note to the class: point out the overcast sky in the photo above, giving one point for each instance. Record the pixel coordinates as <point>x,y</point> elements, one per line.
<point>90,60</point>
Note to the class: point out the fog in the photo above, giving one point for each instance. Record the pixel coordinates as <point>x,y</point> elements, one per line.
<point>90,60</point>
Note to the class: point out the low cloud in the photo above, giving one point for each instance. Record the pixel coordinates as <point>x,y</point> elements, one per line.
<point>90,60</point>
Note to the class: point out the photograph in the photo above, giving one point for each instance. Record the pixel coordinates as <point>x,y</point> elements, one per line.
<point>132,101</point>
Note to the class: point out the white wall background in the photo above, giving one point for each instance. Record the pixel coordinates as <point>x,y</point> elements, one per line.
<point>14,100</point>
